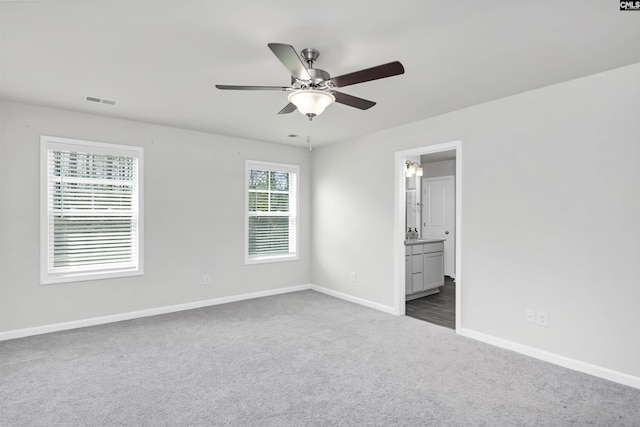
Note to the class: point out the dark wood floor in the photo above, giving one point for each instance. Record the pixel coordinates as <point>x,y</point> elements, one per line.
<point>439,308</point>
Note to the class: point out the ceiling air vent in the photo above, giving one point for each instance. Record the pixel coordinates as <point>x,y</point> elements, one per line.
<point>100,100</point>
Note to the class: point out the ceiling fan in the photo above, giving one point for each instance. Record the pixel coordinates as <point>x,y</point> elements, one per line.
<point>313,89</point>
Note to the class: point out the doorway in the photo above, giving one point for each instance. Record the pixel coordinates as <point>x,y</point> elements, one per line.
<point>451,152</point>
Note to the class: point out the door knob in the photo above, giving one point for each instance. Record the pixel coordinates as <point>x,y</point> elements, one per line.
<point>446,232</point>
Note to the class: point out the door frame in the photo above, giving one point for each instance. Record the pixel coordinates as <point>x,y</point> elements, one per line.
<point>399,226</point>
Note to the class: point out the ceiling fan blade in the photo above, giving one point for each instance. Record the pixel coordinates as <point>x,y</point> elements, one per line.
<point>353,101</point>
<point>289,57</point>
<point>232,87</point>
<point>290,108</point>
<point>373,73</point>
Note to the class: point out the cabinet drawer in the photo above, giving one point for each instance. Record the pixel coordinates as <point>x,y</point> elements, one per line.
<point>433,247</point>
<point>416,249</point>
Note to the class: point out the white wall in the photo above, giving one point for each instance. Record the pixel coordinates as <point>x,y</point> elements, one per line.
<point>194,219</point>
<point>550,202</point>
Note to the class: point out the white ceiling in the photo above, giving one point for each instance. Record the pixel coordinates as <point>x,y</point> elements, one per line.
<point>160,59</point>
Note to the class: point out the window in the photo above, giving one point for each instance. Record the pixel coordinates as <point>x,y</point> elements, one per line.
<point>271,200</point>
<point>91,210</point>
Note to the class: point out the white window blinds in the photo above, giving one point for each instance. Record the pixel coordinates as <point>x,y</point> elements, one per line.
<point>271,211</point>
<point>93,216</point>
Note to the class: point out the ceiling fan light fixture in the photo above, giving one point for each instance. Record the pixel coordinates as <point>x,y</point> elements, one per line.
<point>311,102</point>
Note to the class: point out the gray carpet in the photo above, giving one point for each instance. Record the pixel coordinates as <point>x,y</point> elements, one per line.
<point>291,360</point>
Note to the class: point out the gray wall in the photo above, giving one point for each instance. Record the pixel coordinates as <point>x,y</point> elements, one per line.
<point>437,169</point>
<point>194,219</point>
<point>550,183</point>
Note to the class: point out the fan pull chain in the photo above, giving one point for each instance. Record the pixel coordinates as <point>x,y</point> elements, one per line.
<point>309,135</point>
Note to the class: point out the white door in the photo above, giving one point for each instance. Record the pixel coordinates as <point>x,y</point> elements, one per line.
<point>439,217</point>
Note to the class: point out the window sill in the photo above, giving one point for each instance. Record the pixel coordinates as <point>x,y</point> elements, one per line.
<point>270,258</point>
<point>52,279</point>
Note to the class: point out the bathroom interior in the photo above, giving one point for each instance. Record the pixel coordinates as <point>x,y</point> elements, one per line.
<point>430,238</point>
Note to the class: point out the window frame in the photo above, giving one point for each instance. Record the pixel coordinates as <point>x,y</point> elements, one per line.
<point>48,143</point>
<point>291,169</point>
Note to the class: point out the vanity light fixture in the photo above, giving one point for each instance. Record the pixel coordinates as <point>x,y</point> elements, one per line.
<point>413,168</point>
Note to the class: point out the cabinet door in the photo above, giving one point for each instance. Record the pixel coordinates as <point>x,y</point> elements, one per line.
<point>416,264</point>
<point>433,270</point>
<point>417,284</point>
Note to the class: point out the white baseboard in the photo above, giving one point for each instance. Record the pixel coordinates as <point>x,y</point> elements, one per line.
<point>37,330</point>
<point>556,359</point>
<point>26,332</point>
<point>356,300</point>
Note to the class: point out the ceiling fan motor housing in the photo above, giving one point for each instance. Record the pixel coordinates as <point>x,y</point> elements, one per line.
<point>319,76</point>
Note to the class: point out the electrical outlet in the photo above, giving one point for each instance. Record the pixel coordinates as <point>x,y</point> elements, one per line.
<point>530,315</point>
<point>206,279</point>
<point>353,277</point>
<point>543,318</point>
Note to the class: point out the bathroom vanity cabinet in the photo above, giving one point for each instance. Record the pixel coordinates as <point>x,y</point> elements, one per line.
<point>424,267</point>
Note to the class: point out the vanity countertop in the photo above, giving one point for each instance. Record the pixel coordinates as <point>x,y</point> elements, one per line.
<point>421,241</point>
